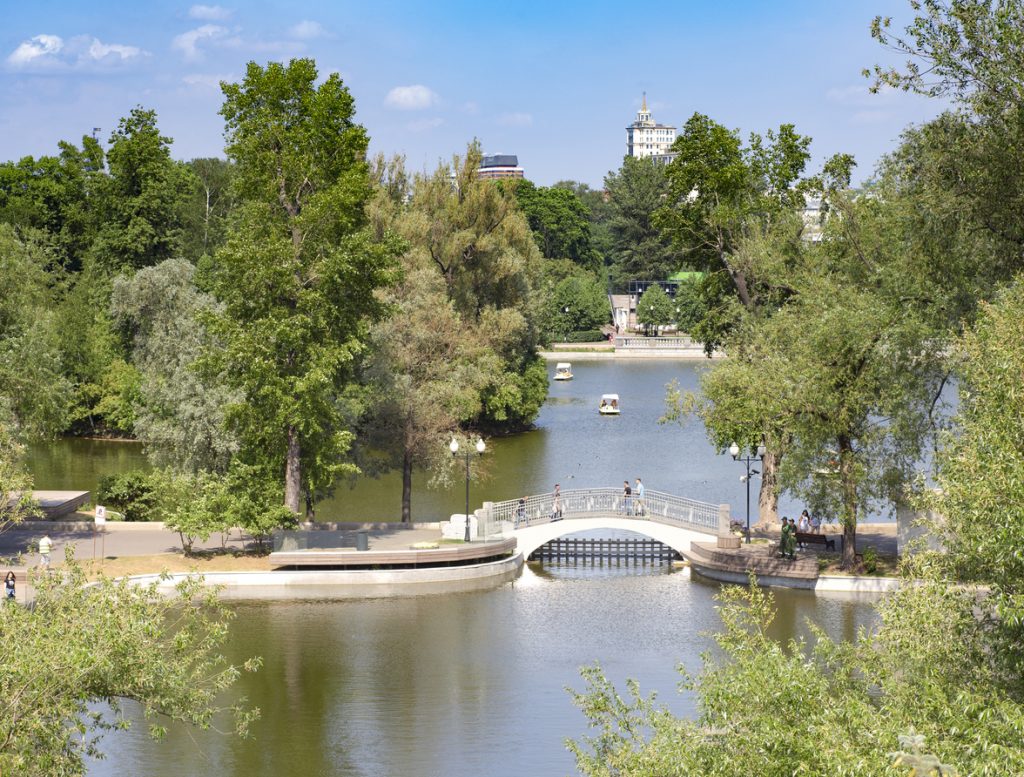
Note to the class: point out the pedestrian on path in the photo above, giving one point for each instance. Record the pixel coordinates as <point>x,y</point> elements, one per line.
<point>639,491</point>
<point>45,546</point>
<point>627,497</point>
<point>9,583</point>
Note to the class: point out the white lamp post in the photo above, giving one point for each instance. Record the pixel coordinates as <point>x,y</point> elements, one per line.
<point>453,446</point>
<point>734,451</point>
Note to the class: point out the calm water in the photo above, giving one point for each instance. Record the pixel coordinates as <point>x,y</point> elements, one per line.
<point>466,685</point>
<point>572,445</point>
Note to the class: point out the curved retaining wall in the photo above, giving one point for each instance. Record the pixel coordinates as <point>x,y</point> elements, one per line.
<point>350,584</point>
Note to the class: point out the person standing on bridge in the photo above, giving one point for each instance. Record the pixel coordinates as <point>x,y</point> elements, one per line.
<point>639,491</point>
<point>627,498</point>
<point>556,503</point>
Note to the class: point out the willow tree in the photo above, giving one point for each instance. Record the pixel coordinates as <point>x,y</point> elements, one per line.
<point>298,271</point>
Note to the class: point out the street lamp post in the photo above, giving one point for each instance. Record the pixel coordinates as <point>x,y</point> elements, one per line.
<point>453,446</point>
<point>734,450</point>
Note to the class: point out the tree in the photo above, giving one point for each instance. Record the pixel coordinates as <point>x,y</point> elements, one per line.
<point>206,218</point>
<point>87,646</point>
<point>559,220</point>
<point>298,272</point>
<point>655,308</point>
<point>638,248</point>
<point>143,198</point>
<point>180,413</point>
<point>575,301</point>
<point>473,234</point>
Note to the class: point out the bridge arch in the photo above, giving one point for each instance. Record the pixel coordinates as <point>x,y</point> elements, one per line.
<point>530,538</point>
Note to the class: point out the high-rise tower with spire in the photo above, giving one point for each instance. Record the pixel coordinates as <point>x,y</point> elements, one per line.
<point>645,138</point>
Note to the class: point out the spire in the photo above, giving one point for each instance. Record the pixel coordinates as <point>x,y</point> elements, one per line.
<point>643,105</point>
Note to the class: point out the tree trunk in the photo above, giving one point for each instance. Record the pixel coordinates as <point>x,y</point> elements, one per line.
<point>849,487</point>
<point>292,472</point>
<point>407,487</point>
<point>768,498</point>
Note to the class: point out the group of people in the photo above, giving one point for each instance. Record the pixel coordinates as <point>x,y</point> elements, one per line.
<point>628,494</point>
<point>632,502</point>
<point>790,529</point>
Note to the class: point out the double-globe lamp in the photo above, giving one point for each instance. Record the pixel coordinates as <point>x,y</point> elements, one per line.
<point>453,446</point>
<point>734,451</point>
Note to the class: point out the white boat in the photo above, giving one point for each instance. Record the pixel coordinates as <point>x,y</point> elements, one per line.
<point>609,404</point>
<point>563,371</point>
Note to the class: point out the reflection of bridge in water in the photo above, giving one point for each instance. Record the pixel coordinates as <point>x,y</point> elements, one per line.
<point>672,520</point>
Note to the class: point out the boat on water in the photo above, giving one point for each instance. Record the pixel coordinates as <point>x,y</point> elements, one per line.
<point>563,371</point>
<point>609,404</point>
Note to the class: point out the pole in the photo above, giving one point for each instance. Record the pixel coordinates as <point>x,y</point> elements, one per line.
<point>467,496</point>
<point>748,499</point>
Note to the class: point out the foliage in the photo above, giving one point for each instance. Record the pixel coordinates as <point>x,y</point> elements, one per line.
<point>838,709</point>
<point>32,384</point>
<point>206,218</point>
<point>82,650</point>
<point>870,560</point>
<point>577,302</point>
<point>689,302</point>
<point>638,249</point>
<point>297,274</point>
<point>559,220</point>
<point>133,493</point>
<point>15,483</point>
<point>194,504</point>
<point>141,204</point>
<point>584,336</point>
<point>655,308</point>
<point>179,411</point>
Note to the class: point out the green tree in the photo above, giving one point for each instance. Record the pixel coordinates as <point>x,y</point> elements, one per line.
<point>559,220</point>
<point>474,235</point>
<point>180,411</point>
<point>210,205</point>
<point>87,646</point>
<point>142,201</point>
<point>638,249</point>
<point>298,272</point>
<point>655,308</point>
<point>575,301</point>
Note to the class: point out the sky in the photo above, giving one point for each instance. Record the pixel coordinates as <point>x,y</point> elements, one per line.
<point>554,82</point>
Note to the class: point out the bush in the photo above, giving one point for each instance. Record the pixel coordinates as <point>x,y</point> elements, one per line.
<point>132,493</point>
<point>586,336</point>
<point>870,560</point>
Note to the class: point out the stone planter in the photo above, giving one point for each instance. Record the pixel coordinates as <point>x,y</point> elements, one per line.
<point>729,542</point>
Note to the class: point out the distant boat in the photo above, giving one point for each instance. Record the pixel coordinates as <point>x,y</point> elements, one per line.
<point>563,371</point>
<point>609,404</point>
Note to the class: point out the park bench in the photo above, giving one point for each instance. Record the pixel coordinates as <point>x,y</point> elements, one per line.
<point>806,538</point>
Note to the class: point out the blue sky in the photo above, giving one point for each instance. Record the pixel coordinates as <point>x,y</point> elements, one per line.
<point>554,82</point>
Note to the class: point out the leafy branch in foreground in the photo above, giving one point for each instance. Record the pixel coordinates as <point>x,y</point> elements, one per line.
<point>85,648</point>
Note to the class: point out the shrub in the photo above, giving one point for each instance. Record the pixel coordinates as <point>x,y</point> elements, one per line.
<point>586,336</point>
<point>870,560</point>
<point>132,493</point>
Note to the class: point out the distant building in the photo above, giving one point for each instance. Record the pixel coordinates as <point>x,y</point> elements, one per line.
<point>645,138</point>
<point>499,166</point>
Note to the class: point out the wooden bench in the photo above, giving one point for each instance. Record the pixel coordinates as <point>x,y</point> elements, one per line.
<point>806,538</point>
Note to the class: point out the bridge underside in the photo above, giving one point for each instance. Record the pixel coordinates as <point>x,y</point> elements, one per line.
<point>532,537</point>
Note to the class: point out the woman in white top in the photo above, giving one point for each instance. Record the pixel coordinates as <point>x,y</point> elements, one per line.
<point>804,523</point>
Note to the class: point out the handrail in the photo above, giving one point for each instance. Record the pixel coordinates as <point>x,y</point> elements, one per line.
<point>589,502</point>
<point>664,341</point>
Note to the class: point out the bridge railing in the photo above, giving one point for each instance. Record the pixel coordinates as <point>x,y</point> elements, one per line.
<point>593,502</point>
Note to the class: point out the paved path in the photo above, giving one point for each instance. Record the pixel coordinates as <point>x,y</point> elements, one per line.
<point>880,536</point>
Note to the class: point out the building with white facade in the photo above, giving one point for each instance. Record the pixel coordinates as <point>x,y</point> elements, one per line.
<point>646,138</point>
<point>495,166</point>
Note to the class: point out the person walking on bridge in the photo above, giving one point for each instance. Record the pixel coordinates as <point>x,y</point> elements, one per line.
<point>627,498</point>
<point>639,491</point>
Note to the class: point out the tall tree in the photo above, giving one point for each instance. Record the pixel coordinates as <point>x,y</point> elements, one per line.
<point>559,220</point>
<point>143,199</point>
<point>638,248</point>
<point>298,273</point>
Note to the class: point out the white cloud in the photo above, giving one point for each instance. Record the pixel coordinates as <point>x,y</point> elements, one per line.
<point>516,119</point>
<point>32,50</point>
<point>212,13</point>
<point>188,42</point>
<point>870,117</point>
<point>422,125</point>
<point>411,98</point>
<point>471,107</point>
<point>115,51</point>
<point>307,30</point>
<point>80,52</point>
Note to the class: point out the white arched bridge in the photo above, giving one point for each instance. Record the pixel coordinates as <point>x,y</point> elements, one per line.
<point>672,520</point>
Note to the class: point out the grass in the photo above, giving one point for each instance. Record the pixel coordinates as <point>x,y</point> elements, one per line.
<point>201,562</point>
